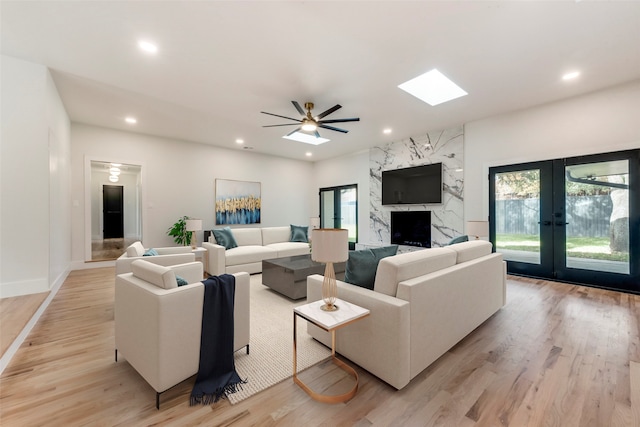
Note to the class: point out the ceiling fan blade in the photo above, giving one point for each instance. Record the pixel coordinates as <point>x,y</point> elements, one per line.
<point>293,131</point>
<point>320,125</point>
<point>353,119</point>
<point>283,117</point>
<point>299,108</point>
<point>329,111</point>
<point>317,134</point>
<point>284,124</point>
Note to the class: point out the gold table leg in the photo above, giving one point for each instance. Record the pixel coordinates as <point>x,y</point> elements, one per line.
<point>348,369</point>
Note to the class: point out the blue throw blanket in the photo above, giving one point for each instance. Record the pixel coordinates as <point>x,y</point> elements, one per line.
<point>217,374</point>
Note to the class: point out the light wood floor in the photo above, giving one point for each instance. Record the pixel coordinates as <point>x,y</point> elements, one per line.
<point>15,313</point>
<point>555,355</point>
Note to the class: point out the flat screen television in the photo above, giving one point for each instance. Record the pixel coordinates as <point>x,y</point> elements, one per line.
<point>411,228</point>
<point>413,185</point>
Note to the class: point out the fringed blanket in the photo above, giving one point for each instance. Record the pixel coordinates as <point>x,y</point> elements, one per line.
<point>217,374</point>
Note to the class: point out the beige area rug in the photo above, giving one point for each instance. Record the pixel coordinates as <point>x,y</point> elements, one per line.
<point>270,358</point>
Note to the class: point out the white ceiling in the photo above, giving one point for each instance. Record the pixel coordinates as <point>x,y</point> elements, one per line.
<point>221,63</point>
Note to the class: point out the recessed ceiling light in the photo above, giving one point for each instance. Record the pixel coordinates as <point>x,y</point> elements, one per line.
<point>116,165</point>
<point>131,120</point>
<point>570,76</point>
<point>239,141</point>
<point>433,87</point>
<point>114,171</point>
<point>459,170</point>
<point>147,46</point>
<point>308,154</point>
<point>387,131</point>
<point>306,138</point>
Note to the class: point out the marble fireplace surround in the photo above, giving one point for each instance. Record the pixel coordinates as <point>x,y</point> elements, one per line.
<point>446,146</point>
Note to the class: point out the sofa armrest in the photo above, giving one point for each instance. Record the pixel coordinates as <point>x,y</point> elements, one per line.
<point>174,250</point>
<point>379,342</point>
<point>191,272</point>
<point>216,258</point>
<point>123,264</point>
<point>241,311</point>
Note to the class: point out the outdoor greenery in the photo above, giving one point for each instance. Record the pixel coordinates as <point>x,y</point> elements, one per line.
<point>575,246</point>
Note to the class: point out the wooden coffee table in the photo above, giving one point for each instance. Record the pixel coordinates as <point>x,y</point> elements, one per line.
<point>288,275</point>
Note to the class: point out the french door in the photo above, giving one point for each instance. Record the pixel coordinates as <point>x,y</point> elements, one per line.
<point>574,219</point>
<point>339,209</point>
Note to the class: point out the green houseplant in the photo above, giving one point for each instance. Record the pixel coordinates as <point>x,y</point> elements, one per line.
<point>179,232</point>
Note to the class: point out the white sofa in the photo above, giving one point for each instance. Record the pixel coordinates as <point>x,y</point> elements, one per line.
<point>166,256</point>
<point>157,323</point>
<point>423,303</point>
<point>254,245</point>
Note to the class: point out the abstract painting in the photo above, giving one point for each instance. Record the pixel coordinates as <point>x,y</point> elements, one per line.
<point>237,202</point>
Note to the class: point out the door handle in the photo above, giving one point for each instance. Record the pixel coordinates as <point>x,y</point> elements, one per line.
<point>560,223</point>
<point>544,222</point>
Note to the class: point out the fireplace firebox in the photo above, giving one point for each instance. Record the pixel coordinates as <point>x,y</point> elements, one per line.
<point>411,228</point>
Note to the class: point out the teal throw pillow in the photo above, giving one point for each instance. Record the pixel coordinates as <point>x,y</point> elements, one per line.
<point>150,252</point>
<point>459,239</point>
<point>224,237</point>
<point>362,265</point>
<point>299,234</point>
<point>181,281</point>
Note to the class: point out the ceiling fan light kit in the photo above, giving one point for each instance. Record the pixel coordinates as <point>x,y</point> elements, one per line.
<point>309,123</point>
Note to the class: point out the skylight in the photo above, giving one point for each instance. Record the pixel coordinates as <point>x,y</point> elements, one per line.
<point>433,87</point>
<point>306,138</point>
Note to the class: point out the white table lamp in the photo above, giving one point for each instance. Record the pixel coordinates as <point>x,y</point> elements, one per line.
<point>194,225</point>
<point>478,229</point>
<point>330,245</point>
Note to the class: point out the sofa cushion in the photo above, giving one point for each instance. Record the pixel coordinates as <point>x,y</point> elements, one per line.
<point>290,248</point>
<point>248,236</point>
<point>158,275</point>
<point>135,250</point>
<point>272,235</point>
<point>299,234</point>
<point>362,265</point>
<point>471,250</point>
<point>150,252</point>
<point>224,237</point>
<point>394,269</point>
<point>249,254</point>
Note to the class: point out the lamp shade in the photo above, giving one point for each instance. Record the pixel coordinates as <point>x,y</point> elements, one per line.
<point>194,225</point>
<point>330,245</point>
<point>478,228</point>
<point>314,222</point>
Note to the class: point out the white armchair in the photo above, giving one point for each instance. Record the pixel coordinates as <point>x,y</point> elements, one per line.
<point>158,324</point>
<point>166,256</point>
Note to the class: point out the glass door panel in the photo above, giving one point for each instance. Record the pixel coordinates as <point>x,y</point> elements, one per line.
<point>517,215</point>
<point>339,209</point>
<point>597,216</point>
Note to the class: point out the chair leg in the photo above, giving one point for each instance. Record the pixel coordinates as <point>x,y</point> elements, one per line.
<point>116,354</point>
<point>247,348</point>
<point>157,400</point>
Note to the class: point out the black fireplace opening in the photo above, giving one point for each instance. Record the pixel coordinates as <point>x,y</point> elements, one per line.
<point>411,228</point>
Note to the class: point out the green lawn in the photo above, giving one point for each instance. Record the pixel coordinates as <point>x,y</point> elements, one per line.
<point>579,247</point>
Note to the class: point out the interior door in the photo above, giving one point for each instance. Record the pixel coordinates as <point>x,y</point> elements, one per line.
<point>339,209</point>
<point>113,212</point>
<point>574,219</point>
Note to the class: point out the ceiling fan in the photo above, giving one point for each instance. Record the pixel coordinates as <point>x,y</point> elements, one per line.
<point>310,123</point>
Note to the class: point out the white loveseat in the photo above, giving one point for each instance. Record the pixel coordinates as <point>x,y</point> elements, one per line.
<point>254,245</point>
<point>166,256</point>
<point>423,303</point>
<point>158,324</point>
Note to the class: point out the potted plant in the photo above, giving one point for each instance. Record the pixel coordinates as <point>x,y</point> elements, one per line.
<point>179,232</point>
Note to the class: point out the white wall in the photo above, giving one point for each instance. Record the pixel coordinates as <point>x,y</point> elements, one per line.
<point>35,225</point>
<point>178,179</point>
<point>345,170</point>
<point>599,122</point>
